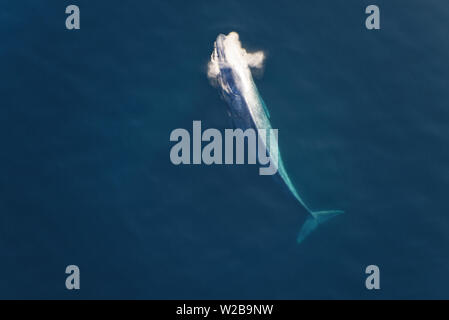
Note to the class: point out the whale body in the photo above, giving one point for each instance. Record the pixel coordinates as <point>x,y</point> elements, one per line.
<point>229,69</point>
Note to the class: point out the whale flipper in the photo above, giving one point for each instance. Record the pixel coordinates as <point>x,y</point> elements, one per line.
<point>265,108</point>
<point>313,221</point>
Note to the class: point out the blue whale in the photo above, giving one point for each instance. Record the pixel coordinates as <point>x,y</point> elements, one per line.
<point>229,68</point>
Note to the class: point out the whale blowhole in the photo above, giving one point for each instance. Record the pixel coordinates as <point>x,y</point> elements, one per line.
<point>228,52</point>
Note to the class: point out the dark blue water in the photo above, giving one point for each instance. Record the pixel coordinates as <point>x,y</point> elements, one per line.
<point>86,179</point>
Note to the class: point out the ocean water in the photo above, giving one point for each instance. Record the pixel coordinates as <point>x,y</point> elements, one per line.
<point>86,178</point>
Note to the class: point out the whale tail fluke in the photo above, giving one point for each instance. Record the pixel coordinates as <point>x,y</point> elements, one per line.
<point>314,220</point>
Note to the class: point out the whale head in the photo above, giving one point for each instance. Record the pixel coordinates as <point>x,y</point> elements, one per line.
<point>230,64</point>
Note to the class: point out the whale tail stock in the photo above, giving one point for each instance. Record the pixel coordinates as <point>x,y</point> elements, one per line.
<point>314,220</point>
